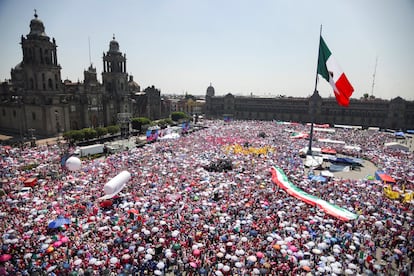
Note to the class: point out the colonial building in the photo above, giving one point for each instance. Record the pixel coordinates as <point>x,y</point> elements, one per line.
<point>36,100</point>
<point>394,114</point>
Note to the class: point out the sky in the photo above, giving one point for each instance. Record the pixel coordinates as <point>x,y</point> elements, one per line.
<point>264,47</point>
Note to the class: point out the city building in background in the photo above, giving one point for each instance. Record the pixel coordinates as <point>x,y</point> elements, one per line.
<point>386,114</point>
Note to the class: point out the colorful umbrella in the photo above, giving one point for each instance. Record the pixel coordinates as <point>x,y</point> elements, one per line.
<point>5,257</point>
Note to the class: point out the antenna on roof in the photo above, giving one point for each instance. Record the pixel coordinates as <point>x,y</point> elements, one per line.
<point>89,43</point>
<point>373,76</point>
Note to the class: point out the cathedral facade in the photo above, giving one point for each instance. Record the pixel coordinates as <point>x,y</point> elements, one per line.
<point>387,114</point>
<point>36,100</point>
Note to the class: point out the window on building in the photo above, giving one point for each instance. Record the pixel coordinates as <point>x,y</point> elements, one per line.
<point>33,116</point>
<point>73,108</point>
<point>50,84</point>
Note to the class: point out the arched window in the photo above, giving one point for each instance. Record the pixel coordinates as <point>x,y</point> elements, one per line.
<point>50,84</point>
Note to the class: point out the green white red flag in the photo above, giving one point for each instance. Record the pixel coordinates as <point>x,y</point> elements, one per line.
<point>330,70</point>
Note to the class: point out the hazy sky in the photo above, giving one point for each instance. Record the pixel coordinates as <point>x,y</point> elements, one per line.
<point>261,47</point>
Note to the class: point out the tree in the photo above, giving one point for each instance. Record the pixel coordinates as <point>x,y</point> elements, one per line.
<point>365,96</point>
<point>138,122</point>
<point>164,122</point>
<point>113,129</point>
<point>101,131</point>
<point>78,135</point>
<point>89,133</point>
<point>178,115</point>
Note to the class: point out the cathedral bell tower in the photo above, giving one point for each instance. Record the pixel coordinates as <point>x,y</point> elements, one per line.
<point>39,70</point>
<point>115,81</point>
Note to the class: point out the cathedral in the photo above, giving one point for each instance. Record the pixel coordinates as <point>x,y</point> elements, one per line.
<point>36,100</point>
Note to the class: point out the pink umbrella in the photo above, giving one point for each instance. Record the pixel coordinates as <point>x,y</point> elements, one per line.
<point>5,257</point>
<point>197,210</point>
<point>259,254</point>
<point>57,243</point>
<point>193,264</point>
<point>293,248</point>
<point>196,252</point>
<point>64,239</point>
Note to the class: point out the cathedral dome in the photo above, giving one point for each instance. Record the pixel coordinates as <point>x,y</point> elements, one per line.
<point>113,45</point>
<point>37,27</point>
<point>210,91</point>
<point>132,85</point>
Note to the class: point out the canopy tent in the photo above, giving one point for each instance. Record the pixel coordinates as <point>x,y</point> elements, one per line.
<point>382,176</point>
<point>347,161</point>
<point>328,151</point>
<point>399,135</point>
<point>396,146</point>
<point>317,178</point>
<point>30,182</point>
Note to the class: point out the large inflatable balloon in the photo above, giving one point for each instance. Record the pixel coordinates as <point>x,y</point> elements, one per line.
<point>116,184</point>
<point>73,163</point>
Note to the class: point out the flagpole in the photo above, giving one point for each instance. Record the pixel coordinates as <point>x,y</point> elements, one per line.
<point>312,104</point>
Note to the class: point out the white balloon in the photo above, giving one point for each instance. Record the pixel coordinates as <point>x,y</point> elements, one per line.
<point>73,163</point>
<point>116,184</point>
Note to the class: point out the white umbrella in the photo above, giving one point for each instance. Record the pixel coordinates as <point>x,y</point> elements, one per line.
<point>349,271</point>
<point>50,269</point>
<point>252,258</point>
<point>92,261</point>
<point>160,265</point>
<point>352,266</point>
<point>331,259</point>
<point>113,260</point>
<point>77,262</point>
<point>316,251</point>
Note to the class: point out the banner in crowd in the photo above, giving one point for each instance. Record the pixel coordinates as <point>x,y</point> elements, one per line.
<point>152,135</point>
<point>185,127</point>
<point>280,179</point>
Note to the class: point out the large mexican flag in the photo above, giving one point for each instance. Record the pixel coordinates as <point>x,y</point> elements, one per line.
<point>330,70</point>
<point>280,178</point>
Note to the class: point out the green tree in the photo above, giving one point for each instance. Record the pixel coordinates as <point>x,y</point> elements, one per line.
<point>113,129</point>
<point>101,131</point>
<point>78,135</point>
<point>89,133</point>
<point>138,122</point>
<point>163,122</point>
<point>178,115</point>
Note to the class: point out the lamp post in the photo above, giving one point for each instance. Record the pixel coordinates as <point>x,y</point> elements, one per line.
<point>32,138</point>
<point>57,121</point>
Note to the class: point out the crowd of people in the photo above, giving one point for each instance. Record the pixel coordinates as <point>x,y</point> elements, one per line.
<point>174,217</point>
